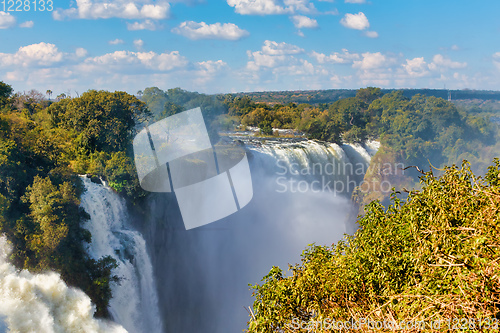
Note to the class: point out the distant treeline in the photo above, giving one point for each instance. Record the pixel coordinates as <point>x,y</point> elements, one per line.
<point>332,95</point>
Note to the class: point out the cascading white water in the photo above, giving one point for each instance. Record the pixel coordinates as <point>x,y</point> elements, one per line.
<point>44,303</point>
<point>135,303</point>
<point>308,152</point>
<point>205,272</point>
<point>339,167</point>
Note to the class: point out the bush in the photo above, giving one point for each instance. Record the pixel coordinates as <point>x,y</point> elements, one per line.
<point>434,256</point>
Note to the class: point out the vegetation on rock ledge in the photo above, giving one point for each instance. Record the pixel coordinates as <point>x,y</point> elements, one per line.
<point>434,256</point>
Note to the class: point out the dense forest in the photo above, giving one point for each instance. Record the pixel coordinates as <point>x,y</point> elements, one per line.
<point>45,144</point>
<point>332,95</point>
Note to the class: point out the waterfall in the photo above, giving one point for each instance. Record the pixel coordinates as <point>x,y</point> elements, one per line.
<point>316,158</point>
<point>205,272</point>
<point>135,303</point>
<point>44,303</point>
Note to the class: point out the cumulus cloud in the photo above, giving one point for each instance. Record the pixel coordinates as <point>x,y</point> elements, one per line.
<point>194,30</point>
<point>116,41</point>
<point>27,24</point>
<point>416,67</point>
<point>41,54</point>
<point>371,34</point>
<point>271,7</point>
<point>259,59</point>
<point>441,62</point>
<point>272,54</point>
<point>208,70</point>
<point>274,48</point>
<point>343,57</point>
<point>105,9</point>
<point>143,25</point>
<point>370,61</point>
<point>211,66</point>
<point>138,43</point>
<point>301,21</point>
<point>81,52</point>
<point>128,61</point>
<point>496,59</point>
<point>357,21</point>
<point>6,20</point>
<point>355,1</point>
<point>38,66</point>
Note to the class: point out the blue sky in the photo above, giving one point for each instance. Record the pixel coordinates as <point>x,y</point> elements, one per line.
<point>249,45</point>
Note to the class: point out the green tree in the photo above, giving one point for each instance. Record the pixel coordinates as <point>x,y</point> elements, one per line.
<point>105,121</point>
<point>5,93</point>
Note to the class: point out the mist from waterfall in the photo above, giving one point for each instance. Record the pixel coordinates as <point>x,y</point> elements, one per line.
<point>44,303</point>
<point>135,303</point>
<point>204,273</point>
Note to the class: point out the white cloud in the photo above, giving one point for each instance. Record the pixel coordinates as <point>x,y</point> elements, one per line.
<point>116,41</point>
<point>271,7</point>
<point>274,48</point>
<point>335,11</point>
<point>496,60</point>
<point>303,67</point>
<point>301,21</point>
<point>138,43</point>
<point>211,66</point>
<point>355,1</point>
<point>371,34</point>
<point>41,54</point>
<point>381,77</point>
<point>207,71</point>
<point>144,25</point>
<point>126,61</point>
<point>202,30</point>
<point>81,52</point>
<point>357,21</point>
<point>280,62</point>
<point>105,9</point>
<point>441,62</point>
<point>6,20</point>
<point>416,67</point>
<point>27,24</point>
<point>455,48</point>
<point>371,61</point>
<point>336,57</point>
<point>259,59</point>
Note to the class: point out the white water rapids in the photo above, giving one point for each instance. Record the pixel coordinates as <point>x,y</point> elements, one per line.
<point>135,303</point>
<point>43,303</point>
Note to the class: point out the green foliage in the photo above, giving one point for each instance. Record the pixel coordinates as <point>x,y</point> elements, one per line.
<point>226,122</point>
<point>434,256</point>
<point>41,149</point>
<point>265,127</point>
<point>54,238</point>
<point>104,121</point>
<point>5,92</point>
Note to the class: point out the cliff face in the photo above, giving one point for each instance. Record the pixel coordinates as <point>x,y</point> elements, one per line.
<point>386,171</point>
